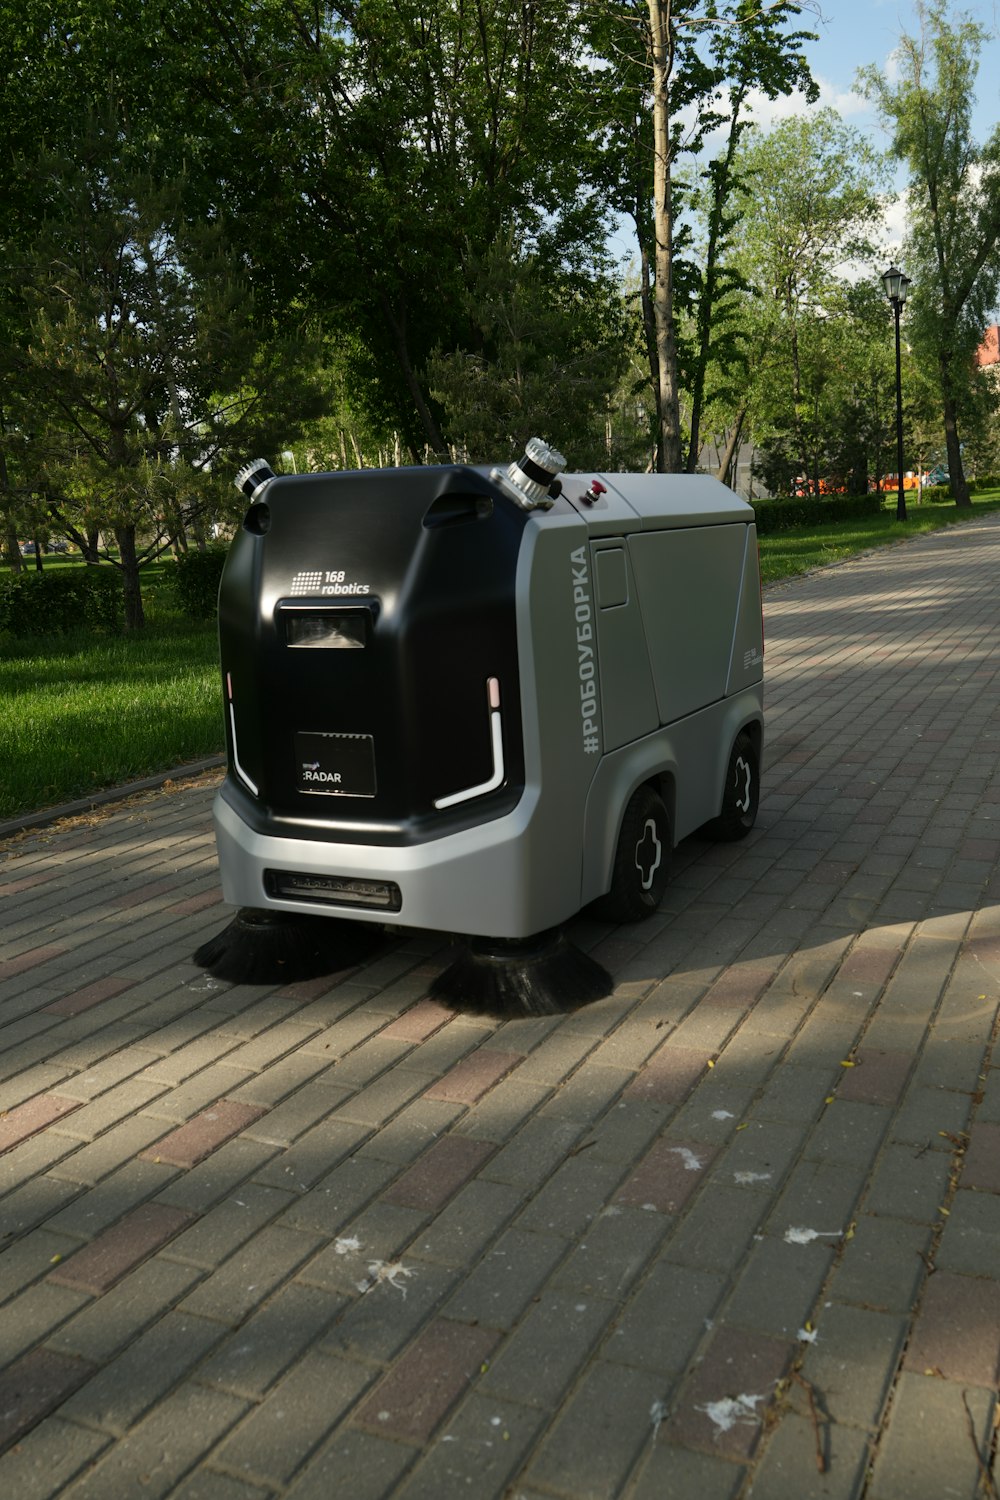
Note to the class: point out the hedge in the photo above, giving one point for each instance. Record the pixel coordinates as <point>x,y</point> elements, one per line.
<point>195,582</point>
<point>60,601</point>
<point>780,512</point>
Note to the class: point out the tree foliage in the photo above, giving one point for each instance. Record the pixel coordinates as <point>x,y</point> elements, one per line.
<point>952,251</point>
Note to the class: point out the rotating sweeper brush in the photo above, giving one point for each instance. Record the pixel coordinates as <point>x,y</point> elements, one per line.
<point>478,701</point>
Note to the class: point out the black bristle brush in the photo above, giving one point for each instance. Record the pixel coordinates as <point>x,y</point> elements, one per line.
<point>282,947</point>
<point>543,975</point>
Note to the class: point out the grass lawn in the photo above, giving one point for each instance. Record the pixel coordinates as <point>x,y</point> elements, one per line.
<point>87,711</point>
<point>82,712</point>
<point>785,553</point>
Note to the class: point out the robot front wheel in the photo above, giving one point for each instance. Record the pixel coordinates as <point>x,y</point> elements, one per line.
<point>642,861</point>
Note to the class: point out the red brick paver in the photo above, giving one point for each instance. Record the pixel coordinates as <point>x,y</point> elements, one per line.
<point>119,1249</point>
<point>191,1143</point>
<point>427,1381</point>
<point>91,994</point>
<point>18,1124</point>
<point>439,1173</point>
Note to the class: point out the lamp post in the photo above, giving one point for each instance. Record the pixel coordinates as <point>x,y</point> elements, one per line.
<point>896,285</point>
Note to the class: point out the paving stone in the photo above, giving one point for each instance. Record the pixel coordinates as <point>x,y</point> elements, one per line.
<point>46,1459</point>
<point>339,1196</point>
<point>498,1289</point>
<point>426,1382</point>
<point>104,1326</point>
<point>208,1484</point>
<point>356,1463</point>
<point>117,1396</point>
<point>669,1076</point>
<point>909,1183</point>
<point>90,995</point>
<point>852,1363</point>
<point>437,1175</point>
<point>818,1195</point>
<point>472,1221</point>
<point>788,1469</point>
<point>907,1464</point>
<point>504,1110</point>
<point>849,1132</point>
<point>33,1386</point>
<point>396,1301</point>
<point>665,1322</point>
<point>222,1231</point>
<point>884,1265</point>
<point>416,1127</point>
<point>779,1285</point>
<point>419,1022</point>
<point>313,1156</point>
<point>33,1115</point>
<point>573,1196</point>
<point>470,1079</point>
<point>534,1152</point>
<point>118,1250</point>
<point>483,1446</point>
<point>739,1367</point>
<point>600,1433</point>
<point>242,1283</point>
<point>666,1177</point>
<point>163,1447</point>
<point>925,1112</point>
<point>191,1143</point>
<point>302,1409</point>
<point>957,1330</point>
<point>673,1473</point>
<point>877,1077</point>
<point>981,1163</point>
<point>617,1249</point>
<point>540,1360</point>
<point>971,1238</point>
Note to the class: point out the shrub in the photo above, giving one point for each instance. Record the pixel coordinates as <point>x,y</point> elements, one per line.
<point>59,602</point>
<point>196,582</point>
<point>781,512</point>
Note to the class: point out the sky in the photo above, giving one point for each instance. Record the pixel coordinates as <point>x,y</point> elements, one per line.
<point>853,33</point>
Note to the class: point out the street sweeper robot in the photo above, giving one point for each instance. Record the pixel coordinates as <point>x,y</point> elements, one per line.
<point>479,700</point>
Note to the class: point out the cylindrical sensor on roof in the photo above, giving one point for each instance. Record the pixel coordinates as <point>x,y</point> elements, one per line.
<point>253,476</point>
<point>532,481</point>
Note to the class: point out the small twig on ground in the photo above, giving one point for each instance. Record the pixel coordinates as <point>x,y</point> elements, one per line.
<point>985,1473</point>
<point>814,1414</point>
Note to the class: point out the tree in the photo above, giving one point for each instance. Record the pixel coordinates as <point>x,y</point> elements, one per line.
<point>543,360</point>
<point>377,148</point>
<point>955,204</point>
<point>140,362</point>
<point>809,205</point>
<point>676,71</point>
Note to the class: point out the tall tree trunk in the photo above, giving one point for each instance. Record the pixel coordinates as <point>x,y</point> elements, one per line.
<point>956,473</point>
<point>135,617</point>
<point>721,178</point>
<point>732,446</point>
<point>661,48</point>
<point>432,433</point>
<point>11,549</point>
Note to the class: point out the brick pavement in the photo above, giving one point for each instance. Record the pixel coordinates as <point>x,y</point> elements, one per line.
<point>733,1231</point>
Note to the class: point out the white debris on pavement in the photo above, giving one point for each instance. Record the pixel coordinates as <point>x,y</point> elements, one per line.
<point>747,1177</point>
<point>347,1245</point>
<point>730,1410</point>
<point>691,1162</point>
<point>388,1271</point>
<point>806,1236</point>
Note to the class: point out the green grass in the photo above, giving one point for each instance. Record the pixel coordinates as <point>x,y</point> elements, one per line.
<point>84,712</point>
<point>785,553</point>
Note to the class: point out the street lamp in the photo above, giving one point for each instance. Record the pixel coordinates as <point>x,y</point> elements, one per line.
<point>896,285</point>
